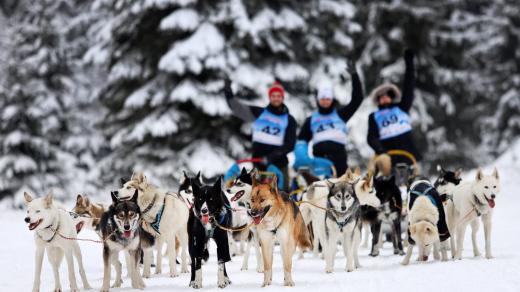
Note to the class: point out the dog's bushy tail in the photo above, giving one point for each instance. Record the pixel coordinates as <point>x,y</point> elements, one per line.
<point>303,239</point>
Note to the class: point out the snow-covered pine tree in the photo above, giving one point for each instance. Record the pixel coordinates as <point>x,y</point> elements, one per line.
<point>32,105</point>
<point>167,61</point>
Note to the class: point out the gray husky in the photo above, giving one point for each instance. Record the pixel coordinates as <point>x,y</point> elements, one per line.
<point>343,219</point>
<point>121,231</point>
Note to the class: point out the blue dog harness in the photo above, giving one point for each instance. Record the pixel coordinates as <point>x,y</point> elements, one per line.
<point>423,188</point>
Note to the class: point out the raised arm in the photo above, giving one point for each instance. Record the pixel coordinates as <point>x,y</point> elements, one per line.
<point>408,86</point>
<point>373,136</point>
<point>247,113</point>
<point>346,112</point>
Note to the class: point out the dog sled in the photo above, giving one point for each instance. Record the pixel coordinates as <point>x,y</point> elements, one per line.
<point>264,177</point>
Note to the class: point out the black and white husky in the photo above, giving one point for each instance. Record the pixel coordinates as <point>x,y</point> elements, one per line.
<point>343,219</point>
<point>210,212</point>
<point>389,212</point>
<point>121,231</point>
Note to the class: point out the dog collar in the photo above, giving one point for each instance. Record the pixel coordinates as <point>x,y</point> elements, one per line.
<point>54,230</point>
<point>149,207</point>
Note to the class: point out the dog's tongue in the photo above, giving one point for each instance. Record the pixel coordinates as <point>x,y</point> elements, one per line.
<point>79,226</point>
<point>491,203</point>
<point>257,220</point>
<point>127,233</point>
<point>205,219</point>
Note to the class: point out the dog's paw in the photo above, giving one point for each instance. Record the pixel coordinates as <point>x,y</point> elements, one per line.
<point>329,270</point>
<point>288,283</point>
<point>374,254</point>
<point>349,269</point>
<point>158,271</point>
<point>184,270</point>
<point>104,289</point>
<point>117,283</point>
<point>224,282</point>
<point>489,256</point>
<point>405,263</point>
<point>174,275</point>
<point>87,287</point>
<point>259,270</point>
<point>476,253</point>
<point>244,268</point>
<point>266,283</point>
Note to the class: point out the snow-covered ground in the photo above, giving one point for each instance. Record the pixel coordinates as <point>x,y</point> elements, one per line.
<point>377,274</point>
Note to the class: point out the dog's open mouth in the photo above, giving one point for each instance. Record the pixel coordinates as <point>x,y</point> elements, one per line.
<point>204,219</point>
<point>79,226</point>
<point>258,217</point>
<point>238,195</point>
<point>35,224</point>
<point>127,233</point>
<point>491,202</point>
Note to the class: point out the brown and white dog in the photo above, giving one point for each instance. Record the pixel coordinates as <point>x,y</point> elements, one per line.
<point>276,216</point>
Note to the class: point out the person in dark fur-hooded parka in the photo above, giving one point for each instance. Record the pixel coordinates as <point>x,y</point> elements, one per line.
<point>390,126</point>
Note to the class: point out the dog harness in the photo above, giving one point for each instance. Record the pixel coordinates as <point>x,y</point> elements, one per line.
<point>328,127</point>
<point>392,122</point>
<point>157,223</point>
<point>55,230</point>
<point>423,188</point>
<point>270,128</point>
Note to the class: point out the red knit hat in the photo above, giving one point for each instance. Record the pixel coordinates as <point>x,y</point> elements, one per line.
<point>277,87</point>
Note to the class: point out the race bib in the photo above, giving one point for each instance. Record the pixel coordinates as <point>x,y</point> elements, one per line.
<point>392,122</point>
<point>328,128</point>
<point>270,128</point>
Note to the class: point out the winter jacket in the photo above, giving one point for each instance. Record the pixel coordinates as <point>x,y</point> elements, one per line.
<point>404,103</point>
<point>331,150</point>
<point>276,155</point>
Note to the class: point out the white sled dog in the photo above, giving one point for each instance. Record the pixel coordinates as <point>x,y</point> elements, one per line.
<point>470,201</point>
<point>239,195</point>
<point>48,223</point>
<point>165,216</point>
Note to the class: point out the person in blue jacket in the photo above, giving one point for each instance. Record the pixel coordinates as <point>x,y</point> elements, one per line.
<point>390,128</point>
<point>327,127</point>
<point>273,128</point>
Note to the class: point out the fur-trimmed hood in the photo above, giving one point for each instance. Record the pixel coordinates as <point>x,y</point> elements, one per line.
<point>383,88</point>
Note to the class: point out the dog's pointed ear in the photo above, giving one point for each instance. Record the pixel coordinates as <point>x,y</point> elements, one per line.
<point>495,173</point>
<point>458,173</point>
<point>479,175</point>
<point>140,177</point>
<point>48,200</point>
<point>392,179</point>
<point>134,197</point>
<point>198,176</point>
<point>274,184</point>
<point>217,186</point>
<point>357,171</point>
<point>122,181</point>
<point>243,172</point>
<point>254,178</point>
<point>79,200</point>
<point>115,199</point>
<point>368,182</point>
<point>440,169</point>
<point>27,198</point>
<point>347,175</point>
<point>195,188</point>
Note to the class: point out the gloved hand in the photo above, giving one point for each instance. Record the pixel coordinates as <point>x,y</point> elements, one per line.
<point>351,67</point>
<point>409,55</point>
<point>227,88</point>
<point>301,153</point>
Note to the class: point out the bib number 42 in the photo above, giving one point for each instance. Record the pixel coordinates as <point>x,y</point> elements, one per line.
<point>271,130</point>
